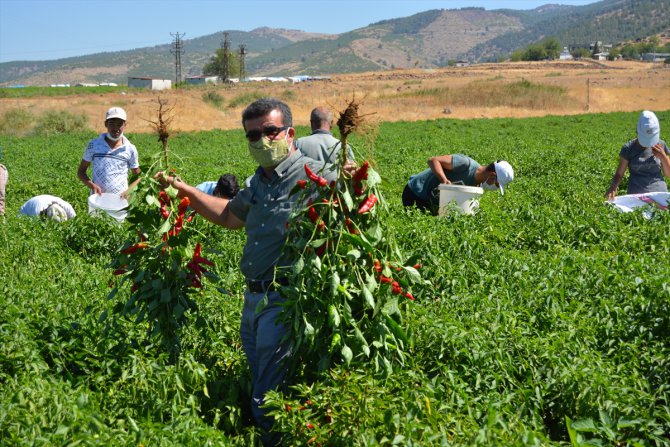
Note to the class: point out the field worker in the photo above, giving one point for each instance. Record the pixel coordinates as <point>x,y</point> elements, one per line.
<point>262,208</point>
<point>47,206</point>
<point>226,187</point>
<point>422,189</point>
<point>321,144</point>
<point>4,176</point>
<point>112,155</point>
<point>645,157</point>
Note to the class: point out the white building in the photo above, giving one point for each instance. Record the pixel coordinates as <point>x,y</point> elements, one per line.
<point>199,80</point>
<point>565,55</point>
<point>150,83</point>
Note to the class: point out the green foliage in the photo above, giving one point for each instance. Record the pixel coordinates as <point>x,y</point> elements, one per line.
<point>224,64</point>
<point>245,98</point>
<point>213,98</point>
<point>54,122</point>
<point>31,91</point>
<point>16,122</point>
<point>546,322</point>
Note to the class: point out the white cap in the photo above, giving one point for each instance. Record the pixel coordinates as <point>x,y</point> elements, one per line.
<point>504,174</point>
<point>56,212</point>
<point>116,112</point>
<point>648,129</point>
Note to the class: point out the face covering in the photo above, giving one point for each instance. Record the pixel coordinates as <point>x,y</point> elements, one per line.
<point>488,186</point>
<point>267,152</point>
<point>110,137</point>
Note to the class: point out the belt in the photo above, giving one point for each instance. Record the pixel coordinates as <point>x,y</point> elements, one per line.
<point>268,285</point>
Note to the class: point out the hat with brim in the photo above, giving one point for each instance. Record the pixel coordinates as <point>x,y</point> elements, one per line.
<point>504,174</point>
<point>648,129</point>
<point>115,112</point>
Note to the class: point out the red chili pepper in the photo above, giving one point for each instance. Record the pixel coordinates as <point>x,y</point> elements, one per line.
<point>191,216</point>
<point>315,178</point>
<point>367,204</point>
<point>358,190</point>
<point>408,296</point>
<point>352,228</point>
<point>135,286</point>
<point>183,205</point>
<point>362,172</point>
<point>120,271</point>
<point>163,198</point>
<point>302,184</point>
<point>164,212</point>
<point>386,280</point>
<point>418,266</point>
<point>378,266</point>
<point>321,226</point>
<point>313,215</point>
<point>133,248</point>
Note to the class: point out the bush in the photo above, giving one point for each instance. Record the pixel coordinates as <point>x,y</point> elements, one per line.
<point>16,122</point>
<point>245,98</point>
<point>213,98</point>
<point>54,122</point>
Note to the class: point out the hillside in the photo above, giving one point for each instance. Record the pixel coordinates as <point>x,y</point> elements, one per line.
<point>429,39</point>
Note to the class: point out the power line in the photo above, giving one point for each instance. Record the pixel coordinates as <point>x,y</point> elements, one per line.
<point>177,49</point>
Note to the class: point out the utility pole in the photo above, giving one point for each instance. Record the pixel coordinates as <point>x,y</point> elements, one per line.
<point>225,70</point>
<point>243,52</point>
<point>177,49</point>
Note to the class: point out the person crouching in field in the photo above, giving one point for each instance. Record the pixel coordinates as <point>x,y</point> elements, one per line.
<point>112,155</point>
<point>226,187</point>
<point>422,189</point>
<point>645,157</point>
<point>48,206</point>
<point>321,145</point>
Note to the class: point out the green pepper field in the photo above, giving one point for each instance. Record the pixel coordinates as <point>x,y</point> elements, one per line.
<point>545,320</point>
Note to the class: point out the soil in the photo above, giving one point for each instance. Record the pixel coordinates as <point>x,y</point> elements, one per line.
<point>595,87</point>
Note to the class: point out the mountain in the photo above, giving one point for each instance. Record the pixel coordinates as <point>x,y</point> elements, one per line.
<point>428,39</point>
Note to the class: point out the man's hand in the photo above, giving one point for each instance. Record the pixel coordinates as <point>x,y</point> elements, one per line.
<point>350,167</point>
<point>610,195</point>
<point>96,189</point>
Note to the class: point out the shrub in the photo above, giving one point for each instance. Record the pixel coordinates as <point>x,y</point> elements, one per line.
<point>213,98</point>
<point>16,122</point>
<point>245,98</point>
<point>54,122</point>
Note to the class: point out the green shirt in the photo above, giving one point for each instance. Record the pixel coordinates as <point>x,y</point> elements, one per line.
<point>424,184</point>
<point>264,206</point>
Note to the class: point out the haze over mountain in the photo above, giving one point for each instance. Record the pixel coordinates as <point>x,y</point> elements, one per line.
<point>429,39</point>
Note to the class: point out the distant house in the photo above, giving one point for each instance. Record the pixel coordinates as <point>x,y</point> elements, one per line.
<point>565,55</point>
<point>462,63</point>
<point>150,83</point>
<point>655,57</point>
<point>200,80</point>
<point>600,56</point>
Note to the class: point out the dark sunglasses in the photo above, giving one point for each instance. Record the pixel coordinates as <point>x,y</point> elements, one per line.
<point>269,131</point>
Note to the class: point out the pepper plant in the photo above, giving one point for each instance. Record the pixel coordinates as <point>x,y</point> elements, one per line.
<point>162,258</point>
<point>348,284</point>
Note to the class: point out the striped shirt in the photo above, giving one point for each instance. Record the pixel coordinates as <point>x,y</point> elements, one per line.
<point>111,166</point>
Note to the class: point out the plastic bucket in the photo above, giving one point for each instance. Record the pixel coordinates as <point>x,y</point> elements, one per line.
<point>465,198</point>
<point>111,204</point>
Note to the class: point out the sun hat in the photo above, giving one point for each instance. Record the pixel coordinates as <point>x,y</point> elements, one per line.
<point>504,174</point>
<point>116,112</point>
<point>56,212</point>
<point>648,129</point>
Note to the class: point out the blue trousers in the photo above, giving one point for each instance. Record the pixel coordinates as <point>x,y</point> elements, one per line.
<point>261,335</point>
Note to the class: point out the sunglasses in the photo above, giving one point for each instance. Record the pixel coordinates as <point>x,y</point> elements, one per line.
<point>269,131</point>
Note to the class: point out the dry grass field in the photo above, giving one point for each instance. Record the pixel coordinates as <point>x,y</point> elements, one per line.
<point>520,89</point>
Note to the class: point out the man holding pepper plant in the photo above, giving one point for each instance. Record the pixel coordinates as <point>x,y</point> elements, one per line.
<point>262,209</point>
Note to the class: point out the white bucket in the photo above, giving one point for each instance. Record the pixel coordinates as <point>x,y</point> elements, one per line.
<point>465,197</point>
<point>112,204</point>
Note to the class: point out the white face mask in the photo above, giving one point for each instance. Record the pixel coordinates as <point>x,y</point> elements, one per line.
<point>110,137</point>
<point>486,187</point>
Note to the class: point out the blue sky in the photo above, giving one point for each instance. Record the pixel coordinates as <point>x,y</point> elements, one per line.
<point>54,29</point>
